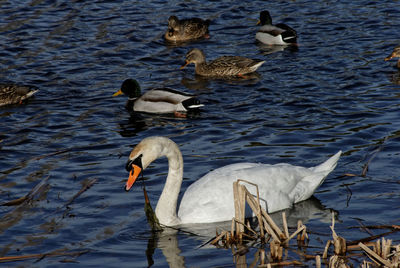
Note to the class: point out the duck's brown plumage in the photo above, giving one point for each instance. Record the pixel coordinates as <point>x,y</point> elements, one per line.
<point>395,54</point>
<point>222,66</point>
<point>14,94</point>
<point>186,29</point>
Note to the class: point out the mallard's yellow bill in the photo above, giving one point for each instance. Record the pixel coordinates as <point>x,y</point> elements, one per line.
<point>119,92</point>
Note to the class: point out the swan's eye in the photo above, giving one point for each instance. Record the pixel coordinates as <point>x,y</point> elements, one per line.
<point>137,161</point>
<point>128,166</point>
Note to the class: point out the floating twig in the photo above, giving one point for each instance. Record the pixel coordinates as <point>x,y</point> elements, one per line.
<point>84,188</point>
<point>40,256</point>
<point>38,189</point>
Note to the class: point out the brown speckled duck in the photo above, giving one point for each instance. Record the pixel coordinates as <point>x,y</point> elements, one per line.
<point>15,94</point>
<point>186,29</point>
<point>222,66</point>
<point>395,54</point>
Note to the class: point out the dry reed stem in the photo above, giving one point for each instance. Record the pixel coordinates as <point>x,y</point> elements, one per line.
<point>276,250</point>
<point>285,226</point>
<point>325,255</point>
<point>339,243</point>
<point>238,207</point>
<point>216,239</point>
<point>318,261</point>
<point>374,256</point>
<point>256,207</point>
<point>282,263</point>
<point>294,234</point>
<point>337,262</point>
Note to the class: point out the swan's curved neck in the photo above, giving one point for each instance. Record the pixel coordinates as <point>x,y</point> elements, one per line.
<point>167,203</point>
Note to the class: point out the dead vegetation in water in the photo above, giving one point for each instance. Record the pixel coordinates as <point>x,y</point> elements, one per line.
<point>273,241</point>
<point>21,206</point>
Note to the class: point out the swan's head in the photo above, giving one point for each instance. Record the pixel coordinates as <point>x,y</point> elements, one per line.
<point>140,158</point>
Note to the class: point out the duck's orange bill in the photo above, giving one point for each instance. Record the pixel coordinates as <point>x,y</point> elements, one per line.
<point>389,57</point>
<point>119,92</point>
<point>184,65</point>
<point>133,175</point>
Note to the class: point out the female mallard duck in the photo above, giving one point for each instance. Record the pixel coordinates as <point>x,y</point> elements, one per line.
<point>186,29</point>
<point>157,100</point>
<point>222,66</point>
<point>395,54</point>
<point>210,198</point>
<point>279,34</point>
<point>13,94</point>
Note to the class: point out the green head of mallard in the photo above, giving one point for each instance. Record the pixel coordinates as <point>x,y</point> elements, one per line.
<point>129,87</point>
<point>265,18</point>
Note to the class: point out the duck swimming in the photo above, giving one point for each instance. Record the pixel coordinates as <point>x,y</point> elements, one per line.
<point>279,34</point>
<point>210,198</point>
<point>222,66</point>
<point>14,94</point>
<point>186,29</point>
<point>395,54</point>
<point>157,100</point>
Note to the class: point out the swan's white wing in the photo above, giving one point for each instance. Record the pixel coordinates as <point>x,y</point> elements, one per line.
<point>211,197</point>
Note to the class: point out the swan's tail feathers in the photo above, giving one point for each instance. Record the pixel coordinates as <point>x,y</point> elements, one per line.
<point>306,187</point>
<point>328,165</point>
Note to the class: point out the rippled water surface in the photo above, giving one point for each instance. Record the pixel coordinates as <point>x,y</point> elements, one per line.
<point>333,92</point>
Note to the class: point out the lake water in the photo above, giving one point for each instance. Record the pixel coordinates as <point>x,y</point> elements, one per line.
<point>335,92</point>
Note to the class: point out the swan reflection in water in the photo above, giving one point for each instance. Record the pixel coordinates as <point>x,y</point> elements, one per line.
<point>167,241</point>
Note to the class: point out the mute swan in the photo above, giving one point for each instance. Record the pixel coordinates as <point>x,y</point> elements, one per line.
<point>210,199</point>
<point>279,34</point>
<point>222,66</point>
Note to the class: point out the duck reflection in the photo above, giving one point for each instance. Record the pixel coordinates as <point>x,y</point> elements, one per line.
<point>167,241</point>
<point>268,49</point>
<point>139,122</point>
<point>395,77</point>
<point>199,82</point>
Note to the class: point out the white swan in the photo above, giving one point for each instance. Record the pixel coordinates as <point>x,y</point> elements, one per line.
<point>210,199</point>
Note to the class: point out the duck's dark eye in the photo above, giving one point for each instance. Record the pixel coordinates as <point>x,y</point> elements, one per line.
<point>137,161</point>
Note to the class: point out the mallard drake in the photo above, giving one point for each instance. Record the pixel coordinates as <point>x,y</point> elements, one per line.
<point>157,100</point>
<point>222,66</point>
<point>395,54</point>
<point>210,198</point>
<point>13,94</point>
<point>279,34</point>
<point>186,29</point>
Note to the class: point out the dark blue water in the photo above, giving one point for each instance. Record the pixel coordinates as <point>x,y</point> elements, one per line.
<point>334,92</point>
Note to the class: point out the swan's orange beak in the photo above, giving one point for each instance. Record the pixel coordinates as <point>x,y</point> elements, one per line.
<point>133,175</point>
<point>184,65</point>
